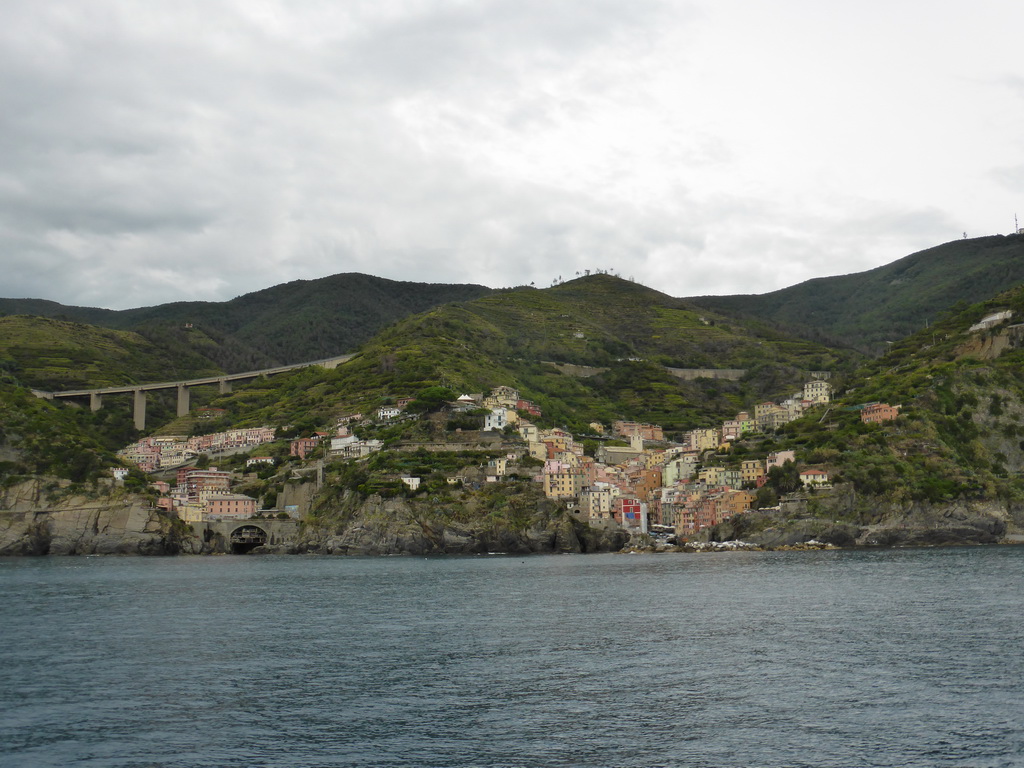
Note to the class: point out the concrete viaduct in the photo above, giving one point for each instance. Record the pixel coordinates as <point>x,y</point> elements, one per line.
<point>139,391</point>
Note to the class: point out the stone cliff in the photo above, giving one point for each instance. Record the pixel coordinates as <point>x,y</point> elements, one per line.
<point>377,526</point>
<point>37,518</point>
<point>845,519</point>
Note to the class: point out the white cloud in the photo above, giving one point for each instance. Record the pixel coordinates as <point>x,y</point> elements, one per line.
<point>200,150</point>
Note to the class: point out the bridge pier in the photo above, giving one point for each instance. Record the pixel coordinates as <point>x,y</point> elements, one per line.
<point>183,400</point>
<point>74,397</point>
<point>139,409</point>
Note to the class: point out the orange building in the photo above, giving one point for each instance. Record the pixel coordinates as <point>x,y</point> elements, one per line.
<point>876,413</point>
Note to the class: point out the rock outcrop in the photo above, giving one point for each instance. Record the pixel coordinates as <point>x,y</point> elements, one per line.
<point>40,517</point>
<point>377,526</point>
<point>34,520</point>
<point>845,520</point>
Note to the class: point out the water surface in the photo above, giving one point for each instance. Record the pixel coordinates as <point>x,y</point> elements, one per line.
<point>890,658</point>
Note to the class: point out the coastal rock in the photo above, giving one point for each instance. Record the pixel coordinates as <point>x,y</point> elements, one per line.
<point>36,519</point>
<point>843,519</point>
<point>923,524</point>
<point>376,526</point>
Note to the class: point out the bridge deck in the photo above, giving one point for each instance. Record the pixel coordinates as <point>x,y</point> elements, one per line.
<point>150,387</point>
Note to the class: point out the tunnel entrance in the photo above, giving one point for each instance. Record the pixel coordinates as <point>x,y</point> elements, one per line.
<point>246,539</point>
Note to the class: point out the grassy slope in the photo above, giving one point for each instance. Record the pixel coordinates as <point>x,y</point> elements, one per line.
<point>294,322</point>
<point>868,309</point>
<point>507,338</point>
<point>40,438</point>
<point>55,354</point>
<point>960,435</point>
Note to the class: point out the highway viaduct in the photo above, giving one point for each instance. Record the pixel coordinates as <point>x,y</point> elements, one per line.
<point>95,396</point>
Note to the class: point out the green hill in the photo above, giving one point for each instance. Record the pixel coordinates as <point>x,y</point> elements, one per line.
<point>622,336</point>
<point>868,309</point>
<point>594,349</point>
<point>628,336</point>
<point>294,322</point>
<point>55,354</point>
<point>959,434</point>
<point>41,438</point>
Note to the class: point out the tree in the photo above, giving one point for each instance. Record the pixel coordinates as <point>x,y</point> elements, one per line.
<point>431,399</point>
<point>765,497</point>
<point>784,479</point>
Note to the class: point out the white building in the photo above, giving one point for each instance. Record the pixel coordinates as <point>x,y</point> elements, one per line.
<point>818,391</point>
<point>495,420</point>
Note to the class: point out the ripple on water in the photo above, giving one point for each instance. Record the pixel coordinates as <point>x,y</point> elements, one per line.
<point>897,658</point>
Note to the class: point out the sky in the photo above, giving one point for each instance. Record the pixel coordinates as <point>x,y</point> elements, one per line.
<point>203,149</point>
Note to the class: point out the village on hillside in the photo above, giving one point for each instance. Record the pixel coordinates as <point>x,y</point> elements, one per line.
<point>635,479</point>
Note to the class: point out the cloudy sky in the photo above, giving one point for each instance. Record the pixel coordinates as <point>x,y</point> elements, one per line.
<point>202,149</point>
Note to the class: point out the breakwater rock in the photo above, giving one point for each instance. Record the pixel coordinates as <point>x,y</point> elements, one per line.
<point>38,517</point>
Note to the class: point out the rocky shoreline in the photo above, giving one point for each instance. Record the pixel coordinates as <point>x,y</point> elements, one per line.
<point>36,521</point>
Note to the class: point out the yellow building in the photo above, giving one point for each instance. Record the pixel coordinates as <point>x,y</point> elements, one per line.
<point>704,439</point>
<point>563,485</point>
<point>750,470</point>
<point>711,475</point>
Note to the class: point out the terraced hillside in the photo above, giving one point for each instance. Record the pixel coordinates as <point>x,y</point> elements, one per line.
<point>54,354</point>
<point>630,333</point>
<point>960,389</point>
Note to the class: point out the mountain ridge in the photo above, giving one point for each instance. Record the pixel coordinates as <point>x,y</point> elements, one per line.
<point>311,319</point>
<point>865,310</point>
<point>956,438</point>
<point>288,323</point>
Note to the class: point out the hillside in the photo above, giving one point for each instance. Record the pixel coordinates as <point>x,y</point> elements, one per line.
<point>294,322</point>
<point>39,438</point>
<point>55,354</point>
<point>868,309</point>
<point>949,468</point>
<point>961,398</point>
<point>627,334</point>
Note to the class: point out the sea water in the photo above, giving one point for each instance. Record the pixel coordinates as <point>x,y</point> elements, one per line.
<point>873,658</point>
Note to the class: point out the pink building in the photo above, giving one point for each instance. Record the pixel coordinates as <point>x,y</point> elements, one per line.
<point>528,407</point>
<point>778,458</point>
<point>303,446</point>
<point>198,481</point>
<point>231,505</point>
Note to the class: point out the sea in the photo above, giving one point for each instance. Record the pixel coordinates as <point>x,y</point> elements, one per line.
<point>910,657</point>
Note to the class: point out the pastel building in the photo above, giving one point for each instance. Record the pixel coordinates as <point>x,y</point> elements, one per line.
<point>563,485</point>
<point>877,413</point>
<point>814,477</point>
<point>778,458</point>
<point>230,506</point>
<point>817,391</point>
